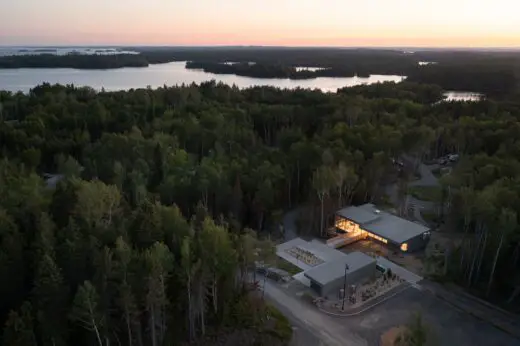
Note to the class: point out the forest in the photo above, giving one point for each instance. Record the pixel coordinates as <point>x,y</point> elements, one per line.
<point>495,73</point>
<point>77,61</point>
<point>166,199</point>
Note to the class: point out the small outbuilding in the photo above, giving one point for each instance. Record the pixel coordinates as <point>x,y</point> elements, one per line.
<point>329,278</point>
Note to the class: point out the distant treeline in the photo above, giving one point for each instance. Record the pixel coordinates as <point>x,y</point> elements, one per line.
<point>252,70</point>
<point>74,61</point>
<point>492,73</point>
<point>494,80</point>
<point>262,70</point>
<point>420,93</point>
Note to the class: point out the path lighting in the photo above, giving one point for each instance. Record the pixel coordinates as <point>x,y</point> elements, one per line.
<point>344,287</point>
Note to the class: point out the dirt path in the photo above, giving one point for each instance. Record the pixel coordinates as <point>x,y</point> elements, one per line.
<point>412,204</point>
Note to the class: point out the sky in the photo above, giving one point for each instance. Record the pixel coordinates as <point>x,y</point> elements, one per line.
<point>411,23</point>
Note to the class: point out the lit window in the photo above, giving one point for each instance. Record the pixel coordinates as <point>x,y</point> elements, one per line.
<point>376,237</point>
<point>346,225</point>
<point>404,247</point>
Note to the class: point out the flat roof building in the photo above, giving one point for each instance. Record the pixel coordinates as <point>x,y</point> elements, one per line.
<point>324,266</point>
<point>329,278</point>
<point>383,227</point>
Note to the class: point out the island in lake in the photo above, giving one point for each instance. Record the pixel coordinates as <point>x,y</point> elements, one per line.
<point>490,73</point>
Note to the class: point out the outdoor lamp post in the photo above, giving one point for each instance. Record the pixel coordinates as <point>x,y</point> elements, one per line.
<point>344,287</point>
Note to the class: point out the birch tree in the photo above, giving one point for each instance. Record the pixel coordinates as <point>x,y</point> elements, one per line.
<point>97,202</point>
<point>159,263</point>
<point>125,298</point>
<point>507,223</point>
<point>85,310</point>
<point>339,178</point>
<point>322,182</point>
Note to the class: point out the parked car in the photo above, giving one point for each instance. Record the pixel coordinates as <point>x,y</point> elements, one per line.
<point>453,157</point>
<point>397,162</point>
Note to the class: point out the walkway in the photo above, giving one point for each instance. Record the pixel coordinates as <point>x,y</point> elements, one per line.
<point>405,274</point>
<point>349,312</point>
<point>345,239</point>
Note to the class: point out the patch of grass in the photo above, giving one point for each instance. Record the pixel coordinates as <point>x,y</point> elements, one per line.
<point>251,313</point>
<point>384,203</point>
<point>288,267</point>
<point>425,193</point>
<point>430,217</point>
<point>282,328</point>
<point>437,172</point>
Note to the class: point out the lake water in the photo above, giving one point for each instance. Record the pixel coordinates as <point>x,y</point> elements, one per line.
<point>4,51</point>
<point>312,69</point>
<point>426,63</point>
<point>462,96</point>
<point>173,73</point>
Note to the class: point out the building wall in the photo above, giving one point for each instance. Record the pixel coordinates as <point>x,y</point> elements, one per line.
<point>416,243</point>
<point>316,287</point>
<point>364,273</point>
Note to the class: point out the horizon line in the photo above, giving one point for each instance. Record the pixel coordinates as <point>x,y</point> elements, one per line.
<point>104,45</point>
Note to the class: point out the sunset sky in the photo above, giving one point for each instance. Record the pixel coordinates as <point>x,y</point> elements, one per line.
<point>468,23</point>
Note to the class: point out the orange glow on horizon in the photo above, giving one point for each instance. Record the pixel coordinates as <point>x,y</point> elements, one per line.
<point>400,23</point>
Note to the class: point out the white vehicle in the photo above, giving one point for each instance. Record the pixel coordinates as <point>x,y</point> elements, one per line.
<point>453,157</point>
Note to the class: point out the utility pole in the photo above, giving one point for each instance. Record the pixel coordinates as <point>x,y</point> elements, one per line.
<point>344,287</point>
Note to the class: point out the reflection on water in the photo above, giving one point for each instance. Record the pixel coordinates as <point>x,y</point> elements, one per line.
<point>175,73</point>
<point>4,51</point>
<point>462,96</point>
<point>169,74</point>
<point>312,69</point>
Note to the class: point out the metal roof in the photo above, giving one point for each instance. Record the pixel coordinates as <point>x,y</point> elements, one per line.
<point>317,248</point>
<point>358,215</point>
<point>383,224</point>
<point>330,271</point>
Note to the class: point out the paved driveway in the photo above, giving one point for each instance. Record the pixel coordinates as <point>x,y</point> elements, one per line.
<point>414,205</point>
<point>427,177</point>
<point>449,325</point>
<point>313,328</point>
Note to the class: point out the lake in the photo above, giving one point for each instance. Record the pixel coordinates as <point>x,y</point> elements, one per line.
<point>173,73</point>
<point>462,96</point>
<point>5,51</point>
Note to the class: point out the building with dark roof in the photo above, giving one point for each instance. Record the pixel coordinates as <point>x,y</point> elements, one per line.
<point>325,269</point>
<point>329,278</point>
<point>366,221</point>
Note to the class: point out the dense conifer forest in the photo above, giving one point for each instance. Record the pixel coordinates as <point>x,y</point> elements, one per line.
<point>135,217</point>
